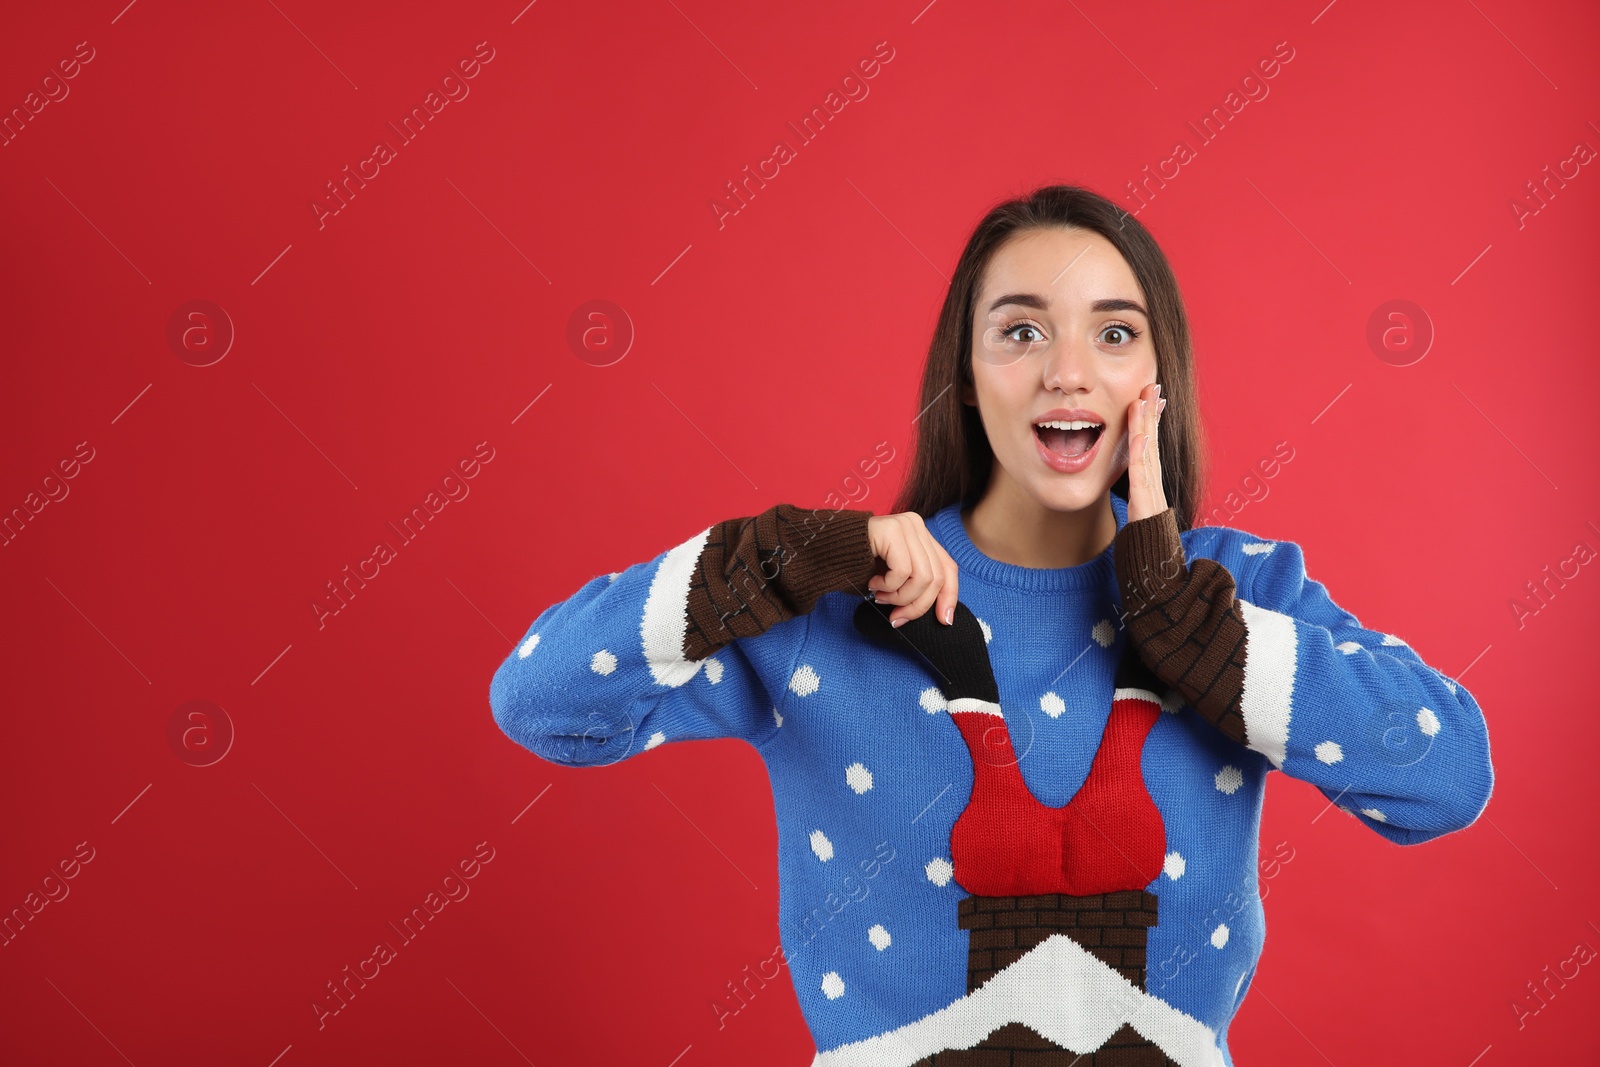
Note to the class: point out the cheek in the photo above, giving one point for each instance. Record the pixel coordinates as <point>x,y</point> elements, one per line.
<point>1003,396</point>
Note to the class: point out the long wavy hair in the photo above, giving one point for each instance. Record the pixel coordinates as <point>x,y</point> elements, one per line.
<point>952,459</point>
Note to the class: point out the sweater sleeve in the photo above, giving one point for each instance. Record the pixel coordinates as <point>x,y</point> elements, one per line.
<point>668,649</point>
<point>1293,676</point>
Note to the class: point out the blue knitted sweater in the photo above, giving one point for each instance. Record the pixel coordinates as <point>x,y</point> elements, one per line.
<point>906,939</point>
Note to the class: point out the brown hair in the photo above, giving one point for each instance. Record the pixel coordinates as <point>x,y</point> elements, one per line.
<point>952,459</point>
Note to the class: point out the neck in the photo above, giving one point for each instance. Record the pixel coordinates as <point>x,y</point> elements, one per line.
<point>1015,528</point>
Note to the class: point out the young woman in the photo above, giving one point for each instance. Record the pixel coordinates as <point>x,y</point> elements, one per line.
<point>1018,731</point>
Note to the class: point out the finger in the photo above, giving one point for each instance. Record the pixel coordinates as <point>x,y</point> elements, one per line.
<point>924,601</point>
<point>945,610</point>
<point>914,590</point>
<point>1155,449</point>
<point>929,583</point>
<point>1136,450</point>
<point>1135,427</point>
<point>899,561</point>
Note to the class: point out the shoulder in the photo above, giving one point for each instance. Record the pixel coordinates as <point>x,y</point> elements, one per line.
<point>1256,562</point>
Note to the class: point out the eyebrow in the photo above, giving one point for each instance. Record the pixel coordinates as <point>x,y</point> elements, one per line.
<point>1032,300</point>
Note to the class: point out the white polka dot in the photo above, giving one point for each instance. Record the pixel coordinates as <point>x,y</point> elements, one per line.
<point>1228,779</point>
<point>1052,705</point>
<point>832,985</point>
<point>879,937</point>
<point>858,777</point>
<point>1427,721</point>
<point>1348,647</point>
<point>714,671</point>
<point>777,718</point>
<point>988,634</point>
<point>1451,685</point>
<point>613,575</point>
<point>1257,548</point>
<point>821,846</point>
<point>1219,936</point>
<point>939,871</point>
<point>1104,633</point>
<point>1391,639</point>
<point>655,739</point>
<point>1329,752</point>
<point>804,681</point>
<point>603,662</point>
<point>1346,809</point>
<point>528,646</point>
<point>1374,813</point>
<point>932,700</point>
<point>1173,865</point>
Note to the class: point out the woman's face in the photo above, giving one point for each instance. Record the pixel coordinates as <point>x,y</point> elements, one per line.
<point>1059,323</point>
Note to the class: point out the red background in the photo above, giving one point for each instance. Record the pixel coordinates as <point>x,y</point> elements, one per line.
<point>770,354</point>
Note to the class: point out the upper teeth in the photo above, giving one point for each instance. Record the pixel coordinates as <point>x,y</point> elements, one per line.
<point>1071,424</point>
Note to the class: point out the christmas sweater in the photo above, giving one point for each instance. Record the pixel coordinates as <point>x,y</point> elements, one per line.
<point>1032,836</point>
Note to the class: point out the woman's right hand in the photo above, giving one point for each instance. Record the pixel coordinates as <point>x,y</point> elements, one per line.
<point>920,572</point>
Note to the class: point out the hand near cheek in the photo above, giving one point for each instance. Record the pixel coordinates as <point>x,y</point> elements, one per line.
<point>1146,497</point>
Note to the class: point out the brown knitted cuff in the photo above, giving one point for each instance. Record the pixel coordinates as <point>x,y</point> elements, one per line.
<point>1149,560</point>
<point>1184,620</point>
<point>756,572</point>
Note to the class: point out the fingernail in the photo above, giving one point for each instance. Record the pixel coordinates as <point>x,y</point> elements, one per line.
<point>1158,390</point>
<point>1142,405</point>
<point>1163,406</point>
<point>897,622</point>
<point>950,616</point>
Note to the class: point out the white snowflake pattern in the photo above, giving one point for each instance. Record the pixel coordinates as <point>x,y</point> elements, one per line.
<point>1104,633</point>
<point>1174,865</point>
<point>804,681</point>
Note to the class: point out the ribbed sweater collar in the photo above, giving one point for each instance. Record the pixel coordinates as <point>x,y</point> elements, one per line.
<point>951,532</point>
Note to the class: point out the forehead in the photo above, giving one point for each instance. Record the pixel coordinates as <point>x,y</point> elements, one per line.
<point>1065,266</point>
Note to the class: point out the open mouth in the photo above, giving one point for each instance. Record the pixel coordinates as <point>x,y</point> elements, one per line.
<point>1068,438</point>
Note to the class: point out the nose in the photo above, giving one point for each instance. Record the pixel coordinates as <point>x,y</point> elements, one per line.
<point>1067,365</point>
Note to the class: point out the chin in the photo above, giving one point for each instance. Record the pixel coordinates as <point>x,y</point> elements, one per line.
<point>1072,492</point>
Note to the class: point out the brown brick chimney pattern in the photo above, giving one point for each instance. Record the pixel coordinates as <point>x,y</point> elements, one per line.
<point>1114,927</point>
<point>1184,619</point>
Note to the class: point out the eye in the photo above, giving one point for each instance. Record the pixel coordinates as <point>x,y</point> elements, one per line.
<point>1129,334</point>
<point>1007,333</point>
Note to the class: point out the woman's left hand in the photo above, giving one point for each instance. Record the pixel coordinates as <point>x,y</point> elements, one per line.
<point>1146,497</point>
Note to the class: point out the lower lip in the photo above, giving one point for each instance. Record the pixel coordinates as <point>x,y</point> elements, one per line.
<point>1069,464</point>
